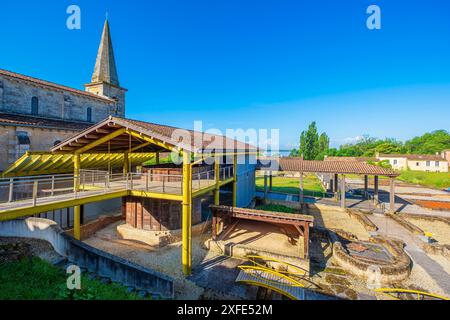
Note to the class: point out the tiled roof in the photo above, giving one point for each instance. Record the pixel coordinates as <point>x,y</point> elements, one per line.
<point>422,157</point>
<point>198,139</point>
<point>194,141</point>
<point>350,159</point>
<point>338,167</point>
<point>53,85</point>
<point>23,120</point>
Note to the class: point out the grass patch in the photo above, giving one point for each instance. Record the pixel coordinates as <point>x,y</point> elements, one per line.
<point>36,279</point>
<point>276,208</point>
<point>440,180</point>
<point>311,185</point>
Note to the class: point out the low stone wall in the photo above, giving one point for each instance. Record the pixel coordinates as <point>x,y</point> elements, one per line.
<point>362,218</point>
<point>390,273</point>
<point>88,229</point>
<point>90,258</point>
<point>437,249</point>
<point>156,238</point>
<point>406,224</point>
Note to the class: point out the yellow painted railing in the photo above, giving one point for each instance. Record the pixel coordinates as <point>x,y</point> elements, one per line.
<point>393,292</point>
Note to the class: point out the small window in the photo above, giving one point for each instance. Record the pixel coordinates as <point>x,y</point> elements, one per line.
<point>428,163</point>
<point>89,114</point>
<point>436,163</point>
<point>34,106</point>
<point>23,143</point>
<point>395,161</point>
<point>417,164</point>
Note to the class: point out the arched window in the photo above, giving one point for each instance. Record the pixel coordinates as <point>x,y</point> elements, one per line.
<point>89,114</point>
<point>34,106</point>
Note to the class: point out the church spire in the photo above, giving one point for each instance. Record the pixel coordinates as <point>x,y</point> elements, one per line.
<point>105,66</point>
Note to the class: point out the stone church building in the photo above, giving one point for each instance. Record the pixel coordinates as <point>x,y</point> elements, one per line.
<point>36,114</point>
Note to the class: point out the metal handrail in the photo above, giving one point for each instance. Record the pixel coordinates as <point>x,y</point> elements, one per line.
<point>387,291</point>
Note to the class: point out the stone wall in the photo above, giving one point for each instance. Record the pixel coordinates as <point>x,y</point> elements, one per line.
<point>90,258</point>
<point>53,103</point>
<point>40,140</point>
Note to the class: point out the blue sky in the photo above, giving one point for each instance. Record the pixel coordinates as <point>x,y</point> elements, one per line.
<point>252,64</point>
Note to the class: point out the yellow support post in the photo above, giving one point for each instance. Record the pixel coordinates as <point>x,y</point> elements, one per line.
<point>187,211</point>
<point>76,172</point>
<point>126,163</point>
<point>235,177</point>
<point>217,178</point>
<point>77,222</point>
<point>157,158</point>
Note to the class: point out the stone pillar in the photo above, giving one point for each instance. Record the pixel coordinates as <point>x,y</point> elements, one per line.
<point>375,189</point>
<point>336,187</point>
<point>331,185</point>
<point>343,192</point>
<point>366,185</point>
<point>301,195</point>
<point>392,196</point>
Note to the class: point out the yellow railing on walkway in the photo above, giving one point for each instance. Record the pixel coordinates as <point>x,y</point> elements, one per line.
<point>419,295</point>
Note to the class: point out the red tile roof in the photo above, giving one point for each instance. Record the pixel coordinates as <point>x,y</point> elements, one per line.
<point>420,157</point>
<point>53,85</point>
<point>338,167</point>
<point>197,140</point>
<point>30,121</point>
<point>350,159</point>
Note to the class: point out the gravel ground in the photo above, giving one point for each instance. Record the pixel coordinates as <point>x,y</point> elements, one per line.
<point>166,260</point>
<point>339,220</point>
<point>421,280</point>
<point>440,230</point>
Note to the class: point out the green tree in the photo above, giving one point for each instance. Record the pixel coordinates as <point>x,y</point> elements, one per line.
<point>429,143</point>
<point>309,142</point>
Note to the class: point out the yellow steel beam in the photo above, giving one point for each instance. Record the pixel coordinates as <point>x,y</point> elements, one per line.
<point>156,195</point>
<point>76,172</point>
<point>17,164</point>
<point>126,163</point>
<point>100,141</point>
<point>15,213</point>
<point>151,140</point>
<point>34,159</point>
<point>235,177</point>
<point>140,146</point>
<point>52,163</point>
<point>186,214</point>
<point>77,222</point>
<point>217,178</point>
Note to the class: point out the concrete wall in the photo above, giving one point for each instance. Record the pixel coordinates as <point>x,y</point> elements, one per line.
<point>90,258</point>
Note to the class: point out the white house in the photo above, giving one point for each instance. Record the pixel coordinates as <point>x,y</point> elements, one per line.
<point>417,162</point>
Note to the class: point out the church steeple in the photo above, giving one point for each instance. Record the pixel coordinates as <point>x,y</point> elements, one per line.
<point>105,66</point>
<point>105,81</point>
